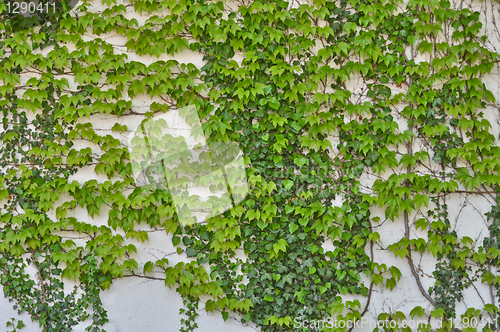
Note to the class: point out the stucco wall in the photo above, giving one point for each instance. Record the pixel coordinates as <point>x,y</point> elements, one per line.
<point>137,304</point>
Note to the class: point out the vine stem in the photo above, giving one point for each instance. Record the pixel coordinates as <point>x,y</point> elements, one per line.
<point>369,297</point>
<point>407,235</point>
<point>412,266</point>
<point>143,276</point>
<point>42,285</point>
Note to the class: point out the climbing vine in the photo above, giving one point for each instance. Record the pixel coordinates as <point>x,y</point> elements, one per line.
<point>356,118</point>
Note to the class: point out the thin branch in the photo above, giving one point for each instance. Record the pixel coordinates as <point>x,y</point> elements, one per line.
<point>407,235</point>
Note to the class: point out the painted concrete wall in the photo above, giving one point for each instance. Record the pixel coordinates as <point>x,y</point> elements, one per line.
<point>136,305</point>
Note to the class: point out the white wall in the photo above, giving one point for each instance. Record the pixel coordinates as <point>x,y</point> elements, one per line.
<point>135,305</point>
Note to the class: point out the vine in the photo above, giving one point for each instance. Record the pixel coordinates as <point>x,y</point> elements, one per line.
<point>353,116</point>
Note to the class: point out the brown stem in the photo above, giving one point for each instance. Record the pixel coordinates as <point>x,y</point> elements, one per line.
<point>369,296</point>
<point>42,285</point>
<point>407,235</point>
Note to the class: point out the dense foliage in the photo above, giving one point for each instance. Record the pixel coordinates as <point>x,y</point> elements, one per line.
<point>318,95</point>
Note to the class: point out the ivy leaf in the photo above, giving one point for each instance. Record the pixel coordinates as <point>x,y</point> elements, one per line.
<point>288,184</point>
<point>274,103</point>
<point>280,246</point>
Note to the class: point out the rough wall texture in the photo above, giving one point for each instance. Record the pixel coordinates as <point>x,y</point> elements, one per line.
<point>137,304</point>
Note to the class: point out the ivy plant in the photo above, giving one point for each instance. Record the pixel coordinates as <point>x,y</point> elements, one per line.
<point>318,95</point>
